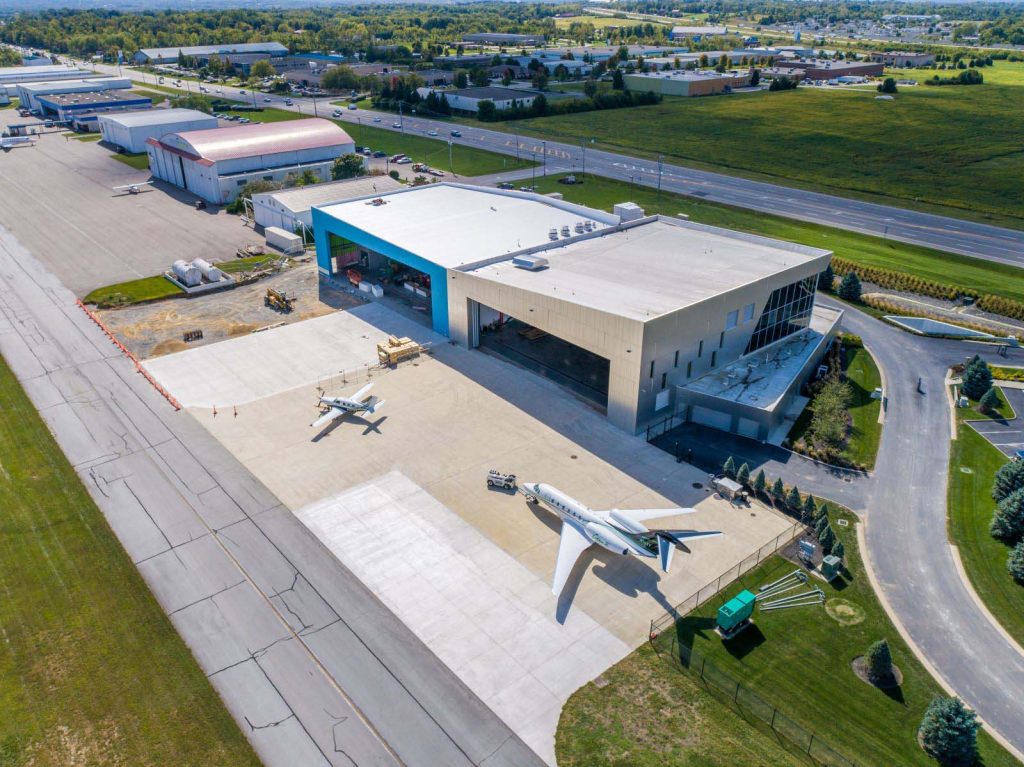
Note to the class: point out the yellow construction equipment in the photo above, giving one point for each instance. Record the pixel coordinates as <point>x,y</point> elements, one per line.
<point>397,349</point>
<point>278,300</point>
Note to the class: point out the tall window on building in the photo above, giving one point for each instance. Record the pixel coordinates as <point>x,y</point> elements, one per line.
<point>664,380</point>
<point>689,368</point>
<point>714,358</point>
<point>787,311</point>
<point>675,364</point>
<point>652,369</point>
<point>748,313</point>
<point>721,339</point>
<point>700,349</point>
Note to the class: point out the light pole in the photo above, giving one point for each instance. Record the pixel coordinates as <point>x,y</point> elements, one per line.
<point>661,159</point>
<point>544,145</point>
<point>534,183</point>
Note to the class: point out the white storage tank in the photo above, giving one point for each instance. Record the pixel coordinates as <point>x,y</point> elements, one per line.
<point>187,274</point>
<point>208,270</point>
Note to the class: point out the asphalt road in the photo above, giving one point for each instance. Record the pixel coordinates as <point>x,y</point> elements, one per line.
<point>906,527</point>
<point>315,670</point>
<point>955,235</point>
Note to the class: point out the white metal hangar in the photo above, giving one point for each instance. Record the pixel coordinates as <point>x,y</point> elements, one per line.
<point>291,208</point>
<point>215,164</point>
<point>638,314</point>
<point>130,130</point>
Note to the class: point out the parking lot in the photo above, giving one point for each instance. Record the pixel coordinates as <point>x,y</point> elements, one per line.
<point>400,498</point>
<point>1007,436</point>
<point>61,202</point>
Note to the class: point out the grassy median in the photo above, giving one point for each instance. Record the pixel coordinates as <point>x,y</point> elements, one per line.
<point>798,661</point>
<point>91,670</point>
<point>915,151</point>
<point>973,463</point>
<point>946,268</point>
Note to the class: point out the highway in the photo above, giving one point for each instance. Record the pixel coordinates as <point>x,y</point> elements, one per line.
<point>991,243</point>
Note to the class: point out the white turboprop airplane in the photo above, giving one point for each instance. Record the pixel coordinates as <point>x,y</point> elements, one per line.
<point>618,530</point>
<point>359,402</point>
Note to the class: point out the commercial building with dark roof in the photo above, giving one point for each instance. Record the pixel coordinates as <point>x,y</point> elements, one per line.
<point>203,52</point>
<point>216,163</point>
<point>826,69</point>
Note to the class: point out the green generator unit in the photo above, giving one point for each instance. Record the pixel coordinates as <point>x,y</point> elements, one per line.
<point>830,566</point>
<point>736,611</point>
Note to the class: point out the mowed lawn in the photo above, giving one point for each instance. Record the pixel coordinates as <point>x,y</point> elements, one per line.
<point>798,660</point>
<point>91,670</point>
<point>936,265</point>
<point>973,463</point>
<point>952,146</point>
<point>865,430</point>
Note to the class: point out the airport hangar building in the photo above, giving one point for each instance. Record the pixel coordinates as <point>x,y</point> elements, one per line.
<point>645,316</point>
<point>216,163</point>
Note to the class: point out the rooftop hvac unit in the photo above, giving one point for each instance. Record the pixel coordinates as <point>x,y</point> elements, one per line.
<point>552,234</point>
<point>579,227</point>
<point>565,231</point>
<point>628,211</point>
<point>588,226</point>
<point>530,263</point>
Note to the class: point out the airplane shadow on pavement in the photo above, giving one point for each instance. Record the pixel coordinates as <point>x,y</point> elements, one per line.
<point>371,426</point>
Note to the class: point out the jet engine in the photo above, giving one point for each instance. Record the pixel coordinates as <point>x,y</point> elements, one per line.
<point>606,538</point>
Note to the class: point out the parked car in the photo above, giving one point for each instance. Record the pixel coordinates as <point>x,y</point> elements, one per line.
<point>506,185</point>
<point>431,132</point>
<point>376,119</point>
<point>456,134</point>
<point>396,157</point>
<point>403,161</point>
<point>367,152</point>
<point>266,100</point>
<point>241,91</point>
<point>336,113</point>
<point>288,102</point>
<point>380,153</point>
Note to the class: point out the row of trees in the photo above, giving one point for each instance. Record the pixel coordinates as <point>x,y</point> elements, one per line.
<point>1007,524</point>
<point>542,107</point>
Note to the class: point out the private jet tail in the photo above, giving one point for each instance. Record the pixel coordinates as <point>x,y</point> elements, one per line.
<point>668,540</point>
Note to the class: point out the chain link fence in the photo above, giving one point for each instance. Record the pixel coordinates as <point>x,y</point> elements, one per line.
<point>685,659</point>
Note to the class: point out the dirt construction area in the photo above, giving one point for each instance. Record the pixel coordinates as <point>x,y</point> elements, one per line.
<point>61,202</point>
<point>157,328</point>
<point>400,498</point>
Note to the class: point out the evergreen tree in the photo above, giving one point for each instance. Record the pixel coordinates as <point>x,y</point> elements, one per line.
<point>617,82</point>
<point>827,539</point>
<point>819,526</point>
<point>1015,563</point>
<point>949,732</point>
<point>729,468</point>
<point>743,475</point>
<point>821,513</point>
<point>793,500</point>
<point>1008,520</point>
<point>989,402</point>
<point>888,85</point>
<point>977,379</point>
<point>760,482</point>
<point>1009,478</point>
<point>810,510</point>
<point>850,287</point>
<point>839,550</point>
<point>827,279</point>
<point>879,660</point>
<point>778,492</point>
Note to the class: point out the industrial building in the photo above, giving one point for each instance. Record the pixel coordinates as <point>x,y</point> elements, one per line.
<point>826,69</point>
<point>29,93</point>
<point>11,77</point>
<point>468,99</point>
<point>904,58</point>
<point>682,82</point>
<point>130,130</point>
<point>202,53</point>
<point>637,314</point>
<point>289,209</point>
<point>503,38</point>
<point>82,110</point>
<point>696,33</point>
<point>216,163</point>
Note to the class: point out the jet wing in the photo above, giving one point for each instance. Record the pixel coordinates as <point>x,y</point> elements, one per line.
<point>572,544</point>
<point>331,415</point>
<point>642,515</point>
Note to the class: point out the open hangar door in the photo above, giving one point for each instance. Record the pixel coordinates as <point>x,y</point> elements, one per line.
<point>388,277</point>
<point>571,366</point>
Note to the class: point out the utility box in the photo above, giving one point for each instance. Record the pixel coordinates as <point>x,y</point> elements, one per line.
<point>830,566</point>
<point>733,613</point>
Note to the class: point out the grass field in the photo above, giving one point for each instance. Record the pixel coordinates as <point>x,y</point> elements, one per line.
<point>158,98</point>
<point>973,462</point>
<point>137,160</point>
<point>91,670</point>
<point>947,268</point>
<point>1003,412</point>
<point>954,148</point>
<point>799,661</point>
<point>158,287</point>
<point>866,432</point>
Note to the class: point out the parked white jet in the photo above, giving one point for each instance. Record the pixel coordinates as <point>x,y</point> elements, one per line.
<point>618,530</point>
<point>359,402</point>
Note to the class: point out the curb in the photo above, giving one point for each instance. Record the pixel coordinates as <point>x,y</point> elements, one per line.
<point>943,682</point>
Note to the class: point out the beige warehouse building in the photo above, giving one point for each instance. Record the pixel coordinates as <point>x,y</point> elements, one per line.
<point>681,82</point>
<point>638,314</point>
